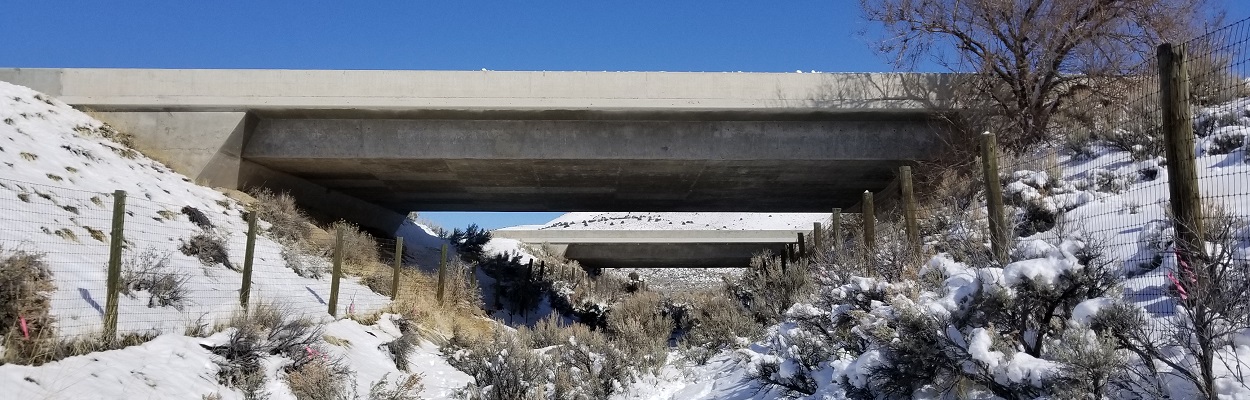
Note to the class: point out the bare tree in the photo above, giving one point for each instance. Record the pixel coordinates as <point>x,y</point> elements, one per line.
<point>1032,55</point>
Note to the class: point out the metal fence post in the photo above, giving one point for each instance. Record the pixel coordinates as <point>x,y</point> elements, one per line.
<point>113,288</point>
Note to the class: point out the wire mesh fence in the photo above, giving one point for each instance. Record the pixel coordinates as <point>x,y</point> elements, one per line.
<point>1106,185</point>
<point>180,267</point>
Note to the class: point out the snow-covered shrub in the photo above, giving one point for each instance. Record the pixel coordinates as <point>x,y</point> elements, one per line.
<point>208,247</point>
<point>502,366</point>
<point>24,305</point>
<point>1090,365</point>
<point>589,366</point>
<point>1139,131</point>
<point>1209,316</point>
<point>986,328</point>
<point>266,330</point>
<point>639,326</point>
<point>1225,140</point>
<point>286,221</point>
<point>768,290</point>
<point>149,271</point>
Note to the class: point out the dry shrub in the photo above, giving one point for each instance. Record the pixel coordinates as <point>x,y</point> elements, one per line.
<point>268,329</point>
<point>322,379</point>
<point>24,283</point>
<point>209,248</point>
<point>549,331</point>
<point>503,368</point>
<point>767,289</point>
<point>406,388</point>
<point>639,326</point>
<point>359,248</point>
<point>150,271</point>
<point>417,302</point>
<point>304,262</point>
<point>286,221</point>
<point>712,321</point>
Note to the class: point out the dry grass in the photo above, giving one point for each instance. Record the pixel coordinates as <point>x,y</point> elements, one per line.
<point>287,222</point>
<point>460,314</point>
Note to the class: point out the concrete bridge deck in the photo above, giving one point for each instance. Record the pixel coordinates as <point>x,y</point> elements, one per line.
<point>370,146</point>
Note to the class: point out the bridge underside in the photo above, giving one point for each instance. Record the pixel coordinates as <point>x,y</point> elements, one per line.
<point>667,255</point>
<point>620,164</point>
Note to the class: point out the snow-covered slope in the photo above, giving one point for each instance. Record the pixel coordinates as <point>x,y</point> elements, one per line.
<point>58,171</point>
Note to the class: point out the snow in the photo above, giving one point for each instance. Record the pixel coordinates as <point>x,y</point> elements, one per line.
<point>57,174</point>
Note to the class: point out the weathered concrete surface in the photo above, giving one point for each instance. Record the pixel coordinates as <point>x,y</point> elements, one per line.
<point>251,90</point>
<point>595,165</point>
<point>656,248</point>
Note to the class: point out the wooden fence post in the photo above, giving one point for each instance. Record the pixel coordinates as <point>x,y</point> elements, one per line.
<point>399,264</point>
<point>994,197</point>
<point>869,216</point>
<point>249,252</point>
<point>1179,150</point>
<point>802,247</point>
<point>337,273</point>
<point>529,271</point>
<point>818,238</point>
<point>835,228</point>
<point>442,272</point>
<point>542,270</point>
<point>785,257</point>
<point>113,288</point>
<point>909,208</point>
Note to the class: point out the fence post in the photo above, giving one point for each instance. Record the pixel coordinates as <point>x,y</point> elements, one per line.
<point>529,271</point>
<point>542,270</point>
<point>1179,150</point>
<point>785,257</point>
<point>337,272</point>
<point>994,197</point>
<point>113,288</point>
<point>245,292</point>
<point>442,271</point>
<point>870,222</point>
<point>818,238</point>
<point>399,264</point>
<point>802,247</point>
<point>835,227</point>
<point>909,208</point>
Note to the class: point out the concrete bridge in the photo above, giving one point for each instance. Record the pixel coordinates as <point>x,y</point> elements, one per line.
<point>656,248</point>
<point>372,145</point>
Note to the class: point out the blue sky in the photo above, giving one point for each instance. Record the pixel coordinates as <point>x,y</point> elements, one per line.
<point>640,35</point>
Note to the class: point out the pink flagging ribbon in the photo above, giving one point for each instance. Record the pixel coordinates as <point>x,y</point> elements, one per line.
<point>25,331</point>
<point>1179,289</point>
<point>351,308</point>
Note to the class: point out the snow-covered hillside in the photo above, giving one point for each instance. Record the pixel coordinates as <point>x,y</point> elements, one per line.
<point>58,170</point>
